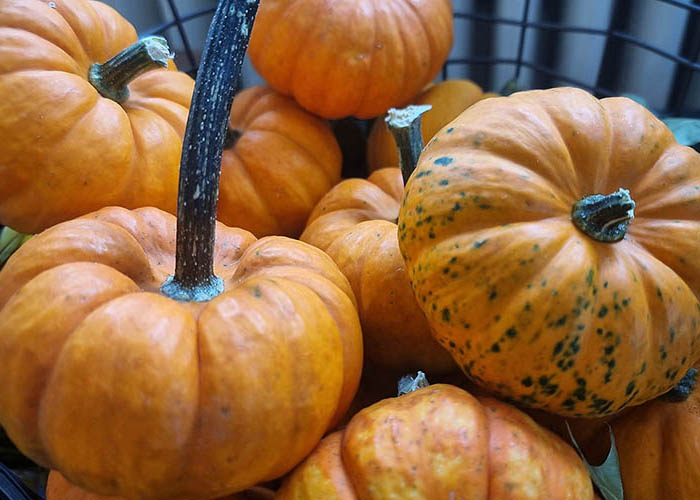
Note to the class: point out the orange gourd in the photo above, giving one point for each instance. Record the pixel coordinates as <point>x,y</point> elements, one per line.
<point>66,149</point>
<point>304,48</point>
<point>58,488</point>
<point>149,358</point>
<point>520,244</point>
<point>278,162</point>
<point>448,99</point>
<point>440,442</point>
<point>355,223</point>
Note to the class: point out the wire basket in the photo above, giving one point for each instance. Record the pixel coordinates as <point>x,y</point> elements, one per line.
<point>645,47</point>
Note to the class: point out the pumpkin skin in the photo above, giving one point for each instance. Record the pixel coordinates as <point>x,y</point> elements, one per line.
<point>129,393</point>
<point>530,306</point>
<point>283,162</point>
<point>448,99</point>
<point>440,442</point>
<point>355,224</point>
<point>58,488</point>
<point>304,49</point>
<point>65,149</point>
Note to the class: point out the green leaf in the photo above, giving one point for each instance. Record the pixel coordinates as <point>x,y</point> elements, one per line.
<point>10,241</point>
<point>685,130</point>
<point>606,476</point>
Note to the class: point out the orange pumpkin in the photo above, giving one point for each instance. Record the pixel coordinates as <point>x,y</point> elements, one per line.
<point>448,99</point>
<point>58,488</point>
<point>440,442</point>
<point>658,445</point>
<point>65,148</point>
<point>355,223</point>
<point>517,233</point>
<point>146,362</point>
<point>304,48</point>
<point>96,359</point>
<point>278,162</point>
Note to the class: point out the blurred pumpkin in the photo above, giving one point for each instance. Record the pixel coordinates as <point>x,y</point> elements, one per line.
<point>519,242</point>
<point>303,48</point>
<point>58,488</point>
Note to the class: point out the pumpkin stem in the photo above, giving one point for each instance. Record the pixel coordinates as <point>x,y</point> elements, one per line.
<point>200,165</point>
<point>683,389</point>
<point>404,125</point>
<point>604,217</point>
<point>112,77</point>
<point>408,383</point>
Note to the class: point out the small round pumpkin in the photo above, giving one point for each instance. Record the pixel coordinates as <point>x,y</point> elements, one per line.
<point>355,224</point>
<point>65,148</point>
<point>304,48</point>
<point>519,242</point>
<point>278,162</point>
<point>145,357</point>
<point>448,99</point>
<point>440,442</point>
<point>122,389</point>
<point>59,488</point>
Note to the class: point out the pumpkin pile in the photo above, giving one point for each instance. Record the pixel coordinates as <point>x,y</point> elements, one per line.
<point>165,336</point>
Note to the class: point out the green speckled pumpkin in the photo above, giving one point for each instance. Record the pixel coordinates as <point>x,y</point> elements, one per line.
<point>519,240</point>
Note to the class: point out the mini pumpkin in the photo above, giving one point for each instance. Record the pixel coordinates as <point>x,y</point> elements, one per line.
<point>59,488</point>
<point>278,162</point>
<point>440,442</point>
<point>145,357</point>
<point>305,49</point>
<point>355,223</point>
<point>67,148</point>
<point>519,242</point>
<point>448,99</point>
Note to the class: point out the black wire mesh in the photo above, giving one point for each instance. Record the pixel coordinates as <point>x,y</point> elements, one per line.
<point>484,22</point>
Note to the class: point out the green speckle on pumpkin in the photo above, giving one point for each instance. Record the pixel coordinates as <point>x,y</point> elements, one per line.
<point>443,160</point>
<point>479,244</point>
<point>495,347</point>
<point>444,182</point>
<point>603,311</point>
<point>511,332</point>
<point>423,173</point>
<point>446,315</point>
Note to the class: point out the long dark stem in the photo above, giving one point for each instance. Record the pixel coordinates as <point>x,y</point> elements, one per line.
<point>200,166</point>
<point>111,78</point>
<point>404,125</point>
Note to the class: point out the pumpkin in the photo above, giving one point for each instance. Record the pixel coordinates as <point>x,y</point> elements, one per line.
<point>68,148</point>
<point>355,223</point>
<point>520,245</point>
<point>440,442</point>
<point>448,99</point>
<point>149,361</point>
<point>658,446</point>
<point>303,48</point>
<point>59,488</point>
<point>278,162</point>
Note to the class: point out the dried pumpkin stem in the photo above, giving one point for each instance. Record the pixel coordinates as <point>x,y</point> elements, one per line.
<point>409,383</point>
<point>683,389</point>
<point>604,217</point>
<point>200,166</point>
<point>404,125</point>
<point>111,78</point>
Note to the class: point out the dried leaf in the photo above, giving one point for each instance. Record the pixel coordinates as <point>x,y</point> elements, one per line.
<point>606,476</point>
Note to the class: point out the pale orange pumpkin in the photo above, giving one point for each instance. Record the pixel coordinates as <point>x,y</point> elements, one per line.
<point>339,58</point>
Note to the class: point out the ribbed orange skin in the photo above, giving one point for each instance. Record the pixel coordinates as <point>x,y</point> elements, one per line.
<point>448,99</point>
<point>283,163</point>
<point>440,443</point>
<point>129,393</point>
<point>65,150</point>
<point>531,307</point>
<point>304,48</point>
<point>355,224</point>
<point>58,488</point>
